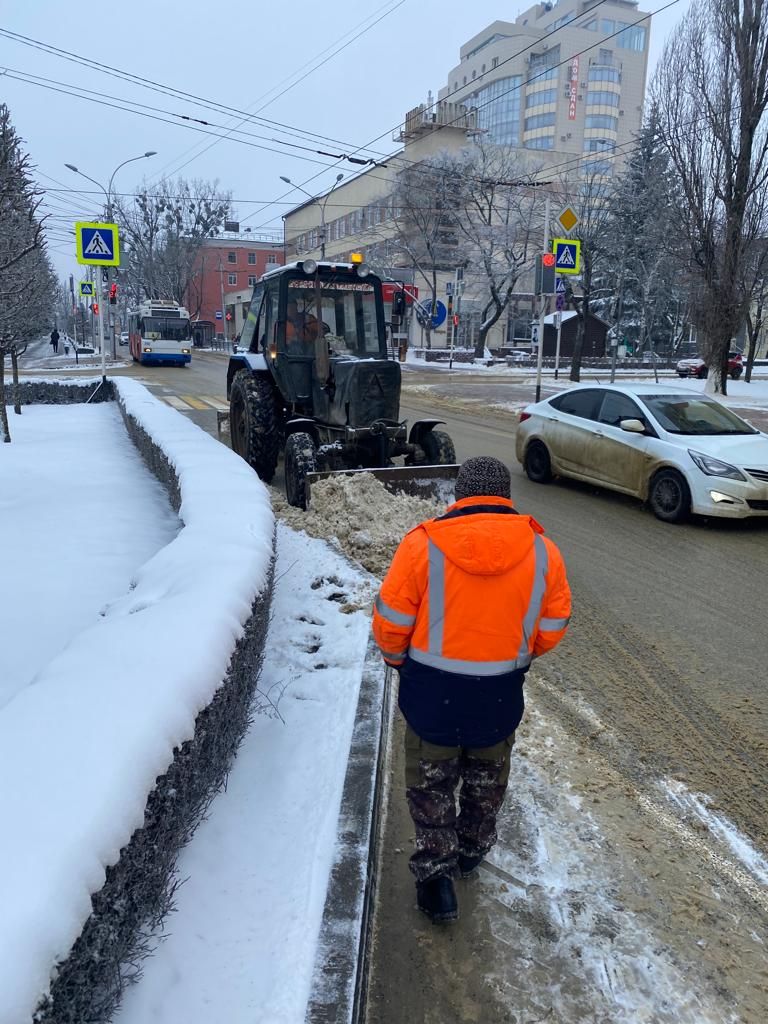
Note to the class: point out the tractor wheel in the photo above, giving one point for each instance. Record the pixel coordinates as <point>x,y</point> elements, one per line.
<point>253,422</point>
<point>300,459</point>
<point>438,447</point>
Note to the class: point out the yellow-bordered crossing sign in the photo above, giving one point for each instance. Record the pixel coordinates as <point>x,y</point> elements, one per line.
<point>567,255</point>
<point>98,244</point>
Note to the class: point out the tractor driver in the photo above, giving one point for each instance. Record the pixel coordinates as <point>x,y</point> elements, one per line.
<point>300,328</point>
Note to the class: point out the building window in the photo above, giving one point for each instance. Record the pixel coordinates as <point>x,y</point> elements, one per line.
<point>545,142</point>
<point>544,66</point>
<point>498,110</point>
<point>455,86</point>
<point>251,259</point>
<point>482,70</point>
<point>271,257</point>
<point>601,121</point>
<point>231,257</point>
<point>602,168</point>
<point>598,74</point>
<point>602,99</point>
<point>539,99</point>
<point>474,74</point>
<point>539,121</point>
<point>232,278</point>
<point>606,57</point>
<point>465,80</point>
<point>251,280</point>
<point>598,145</point>
<point>495,62</point>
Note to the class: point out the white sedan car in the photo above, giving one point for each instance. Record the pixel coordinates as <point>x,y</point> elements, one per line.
<point>680,450</point>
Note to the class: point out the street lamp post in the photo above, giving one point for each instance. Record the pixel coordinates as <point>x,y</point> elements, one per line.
<point>108,194</point>
<point>321,205</point>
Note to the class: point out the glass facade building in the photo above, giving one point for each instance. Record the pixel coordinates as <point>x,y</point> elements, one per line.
<point>498,109</point>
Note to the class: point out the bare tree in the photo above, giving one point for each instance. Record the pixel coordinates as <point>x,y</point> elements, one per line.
<point>494,215</point>
<point>164,230</point>
<point>711,90</point>
<point>588,196</point>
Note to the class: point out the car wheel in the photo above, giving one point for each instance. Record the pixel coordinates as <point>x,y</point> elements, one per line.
<point>735,374</point>
<point>537,464</point>
<point>703,373</point>
<point>669,496</point>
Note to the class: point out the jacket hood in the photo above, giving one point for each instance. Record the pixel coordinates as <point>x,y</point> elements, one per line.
<point>483,543</point>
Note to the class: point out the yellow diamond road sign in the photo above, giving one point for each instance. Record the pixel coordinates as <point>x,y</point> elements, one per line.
<point>97,244</point>
<point>568,219</point>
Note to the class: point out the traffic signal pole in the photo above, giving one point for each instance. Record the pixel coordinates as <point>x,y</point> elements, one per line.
<point>100,318</point>
<point>543,307</point>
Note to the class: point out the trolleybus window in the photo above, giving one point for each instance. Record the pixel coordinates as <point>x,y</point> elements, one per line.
<point>161,328</point>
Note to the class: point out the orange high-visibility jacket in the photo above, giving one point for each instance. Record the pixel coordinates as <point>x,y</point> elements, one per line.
<point>474,592</point>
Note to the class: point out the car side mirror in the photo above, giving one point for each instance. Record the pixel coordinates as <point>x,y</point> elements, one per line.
<point>633,426</point>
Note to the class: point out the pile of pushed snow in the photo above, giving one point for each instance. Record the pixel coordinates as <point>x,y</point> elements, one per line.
<point>366,520</point>
<point>81,747</point>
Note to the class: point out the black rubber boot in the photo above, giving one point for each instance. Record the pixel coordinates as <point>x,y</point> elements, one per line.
<point>437,899</point>
<point>468,865</point>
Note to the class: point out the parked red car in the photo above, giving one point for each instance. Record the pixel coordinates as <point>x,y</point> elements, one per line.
<point>698,368</point>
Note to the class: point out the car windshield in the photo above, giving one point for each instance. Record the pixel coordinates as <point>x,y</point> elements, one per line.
<point>347,314</point>
<point>691,414</point>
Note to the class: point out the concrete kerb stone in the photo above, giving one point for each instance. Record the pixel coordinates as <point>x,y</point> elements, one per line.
<point>139,888</point>
<point>340,974</point>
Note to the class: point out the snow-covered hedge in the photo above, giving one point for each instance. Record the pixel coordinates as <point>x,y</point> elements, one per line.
<point>126,733</point>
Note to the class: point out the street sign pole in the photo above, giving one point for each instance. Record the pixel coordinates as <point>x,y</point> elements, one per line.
<point>559,325</point>
<point>543,309</point>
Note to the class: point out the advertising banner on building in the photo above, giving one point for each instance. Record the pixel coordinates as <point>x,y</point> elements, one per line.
<point>574,88</point>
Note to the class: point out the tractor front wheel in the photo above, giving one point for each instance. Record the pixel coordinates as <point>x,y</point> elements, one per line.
<point>438,447</point>
<point>300,461</point>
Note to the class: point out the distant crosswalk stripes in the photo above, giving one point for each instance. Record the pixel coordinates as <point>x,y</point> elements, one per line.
<point>186,403</point>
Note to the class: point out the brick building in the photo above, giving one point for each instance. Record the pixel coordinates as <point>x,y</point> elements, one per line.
<point>225,265</point>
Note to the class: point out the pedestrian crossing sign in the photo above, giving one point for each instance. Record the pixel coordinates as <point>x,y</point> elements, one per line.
<point>87,288</point>
<point>567,255</point>
<point>97,244</point>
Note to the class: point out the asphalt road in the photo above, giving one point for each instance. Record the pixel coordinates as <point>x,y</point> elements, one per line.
<point>666,652</point>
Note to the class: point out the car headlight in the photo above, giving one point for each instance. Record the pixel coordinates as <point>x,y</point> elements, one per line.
<point>714,467</point>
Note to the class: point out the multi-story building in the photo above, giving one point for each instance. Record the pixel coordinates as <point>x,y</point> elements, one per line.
<point>226,265</point>
<point>562,79</point>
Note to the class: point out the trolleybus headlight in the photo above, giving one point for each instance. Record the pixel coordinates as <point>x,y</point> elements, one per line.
<point>185,351</point>
<point>363,270</point>
<point>147,348</point>
<point>309,266</point>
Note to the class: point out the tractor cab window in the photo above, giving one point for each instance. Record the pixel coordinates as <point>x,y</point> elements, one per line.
<point>344,314</point>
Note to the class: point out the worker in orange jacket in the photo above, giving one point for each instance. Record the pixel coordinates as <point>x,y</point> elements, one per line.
<point>471,598</point>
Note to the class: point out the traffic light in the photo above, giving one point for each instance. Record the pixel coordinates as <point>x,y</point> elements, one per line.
<point>95,308</point>
<point>104,275</point>
<point>229,316</point>
<point>113,294</point>
<point>455,319</point>
<point>545,274</point>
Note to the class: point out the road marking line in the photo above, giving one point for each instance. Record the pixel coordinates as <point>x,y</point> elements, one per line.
<point>218,403</point>
<point>176,402</point>
<point>194,402</point>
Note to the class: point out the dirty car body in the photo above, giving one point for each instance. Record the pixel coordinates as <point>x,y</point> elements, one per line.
<point>644,439</point>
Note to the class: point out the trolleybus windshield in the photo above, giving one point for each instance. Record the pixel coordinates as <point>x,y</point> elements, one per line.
<point>161,328</point>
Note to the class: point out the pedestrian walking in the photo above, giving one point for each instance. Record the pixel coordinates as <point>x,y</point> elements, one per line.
<point>55,341</point>
<point>470,599</point>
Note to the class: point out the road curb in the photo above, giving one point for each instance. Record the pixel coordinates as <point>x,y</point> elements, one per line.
<point>339,978</point>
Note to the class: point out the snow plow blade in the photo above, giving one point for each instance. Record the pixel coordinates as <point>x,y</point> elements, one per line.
<point>435,482</point>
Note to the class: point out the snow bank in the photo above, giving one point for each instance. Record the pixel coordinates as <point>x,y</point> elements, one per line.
<point>85,743</point>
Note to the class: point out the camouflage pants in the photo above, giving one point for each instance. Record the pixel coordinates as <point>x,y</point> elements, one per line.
<point>432,774</point>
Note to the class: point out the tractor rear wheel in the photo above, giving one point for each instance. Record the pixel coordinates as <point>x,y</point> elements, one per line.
<point>253,422</point>
<point>438,447</point>
<point>300,460</point>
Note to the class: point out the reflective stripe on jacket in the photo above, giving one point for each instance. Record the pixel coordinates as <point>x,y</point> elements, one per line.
<point>479,591</point>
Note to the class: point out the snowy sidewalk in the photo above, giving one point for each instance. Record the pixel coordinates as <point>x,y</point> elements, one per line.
<point>241,946</point>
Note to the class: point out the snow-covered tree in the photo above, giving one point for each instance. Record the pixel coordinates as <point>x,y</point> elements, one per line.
<point>711,91</point>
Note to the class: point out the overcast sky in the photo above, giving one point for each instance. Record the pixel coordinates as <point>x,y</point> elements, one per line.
<point>245,55</point>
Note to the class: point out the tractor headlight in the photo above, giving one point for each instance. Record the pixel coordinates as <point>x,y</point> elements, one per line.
<point>309,266</point>
<point>363,270</point>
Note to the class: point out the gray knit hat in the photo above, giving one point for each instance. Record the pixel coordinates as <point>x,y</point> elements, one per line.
<point>483,476</point>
